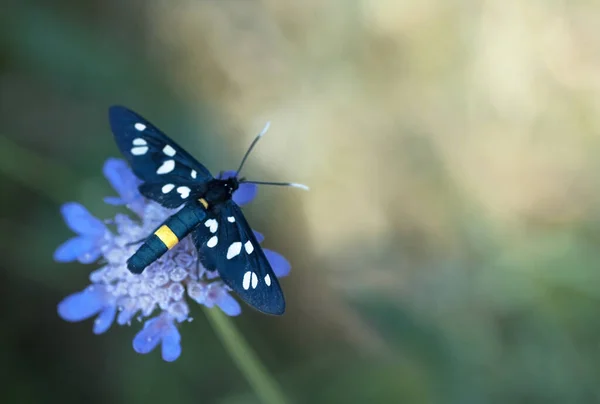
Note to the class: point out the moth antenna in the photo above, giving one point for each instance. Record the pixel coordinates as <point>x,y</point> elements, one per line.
<point>256,139</point>
<point>280,184</point>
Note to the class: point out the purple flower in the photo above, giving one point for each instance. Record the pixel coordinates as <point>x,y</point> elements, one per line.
<point>92,234</point>
<point>122,179</point>
<point>281,266</point>
<point>214,294</point>
<point>161,294</point>
<point>161,329</point>
<point>95,300</point>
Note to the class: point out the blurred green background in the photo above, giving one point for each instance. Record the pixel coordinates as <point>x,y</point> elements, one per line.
<point>446,253</point>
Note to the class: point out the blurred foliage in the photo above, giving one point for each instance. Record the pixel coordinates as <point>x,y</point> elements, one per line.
<point>447,252</point>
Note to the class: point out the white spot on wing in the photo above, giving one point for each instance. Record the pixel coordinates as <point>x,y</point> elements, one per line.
<point>184,192</point>
<point>213,224</point>
<point>167,188</point>
<point>246,280</point>
<point>231,219</point>
<point>249,247</point>
<point>193,174</point>
<point>268,280</point>
<point>138,141</point>
<point>140,126</point>
<point>254,280</point>
<point>139,151</point>
<point>166,167</point>
<point>212,242</point>
<point>169,151</point>
<point>234,249</point>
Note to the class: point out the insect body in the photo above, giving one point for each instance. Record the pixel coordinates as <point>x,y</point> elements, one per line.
<point>171,232</point>
<point>224,240</point>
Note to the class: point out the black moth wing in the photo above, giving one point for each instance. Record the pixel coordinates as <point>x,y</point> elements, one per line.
<point>227,244</point>
<point>170,175</point>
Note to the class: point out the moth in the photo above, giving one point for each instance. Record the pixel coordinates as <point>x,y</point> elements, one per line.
<point>172,177</point>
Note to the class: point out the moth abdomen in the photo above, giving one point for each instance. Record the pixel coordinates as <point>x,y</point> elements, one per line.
<point>152,249</point>
<point>171,232</point>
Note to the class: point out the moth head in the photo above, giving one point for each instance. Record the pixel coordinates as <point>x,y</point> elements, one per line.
<point>231,185</point>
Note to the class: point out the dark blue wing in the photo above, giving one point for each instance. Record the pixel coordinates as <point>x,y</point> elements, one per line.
<point>170,175</point>
<point>226,243</point>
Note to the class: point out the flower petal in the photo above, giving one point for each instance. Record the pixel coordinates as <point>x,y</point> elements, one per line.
<point>127,314</point>
<point>82,305</point>
<point>105,319</point>
<point>149,337</point>
<point>81,221</point>
<point>171,347</point>
<point>280,265</point>
<point>259,236</point>
<point>73,248</point>
<point>124,181</point>
<point>91,255</point>
<point>121,178</point>
<point>228,304</point>
<point>245,193</point>
<point>113,200</point>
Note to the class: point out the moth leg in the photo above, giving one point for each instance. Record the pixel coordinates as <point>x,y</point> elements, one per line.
<point>198,267</point>
<point>142,239</point>
<point>136,242</point>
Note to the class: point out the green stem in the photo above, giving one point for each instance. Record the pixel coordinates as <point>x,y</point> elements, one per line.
<point>247,361</point>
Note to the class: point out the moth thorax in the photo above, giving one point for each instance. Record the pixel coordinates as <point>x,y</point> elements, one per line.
<point>220,190</point>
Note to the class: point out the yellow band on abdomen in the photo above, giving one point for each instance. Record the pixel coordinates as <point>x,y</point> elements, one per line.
<point>167,236</point>
<point>203,202</point>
